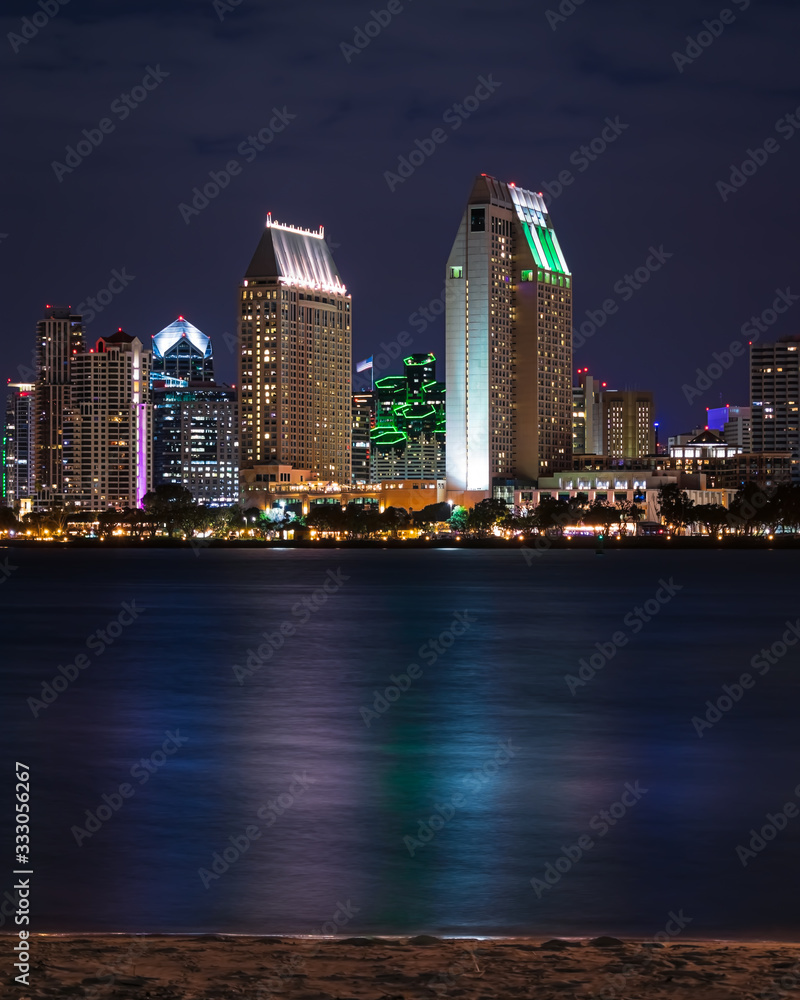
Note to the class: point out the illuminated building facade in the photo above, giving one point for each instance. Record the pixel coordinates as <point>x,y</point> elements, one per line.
<point>587,415</point>
<point>295,337</point>
<point>18,450</point>
<point>363,420</point>
<point>408,439</point>
<point>108,426</point>
<point>59,336</point>
<point>196,441</point>
<point>628,424</point>
<point>775,395</point>
<point>509,342</point>
<point>182,351</point>
<point>733,422</point>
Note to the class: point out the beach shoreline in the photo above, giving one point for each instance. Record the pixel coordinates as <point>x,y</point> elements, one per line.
<point>227,966</point>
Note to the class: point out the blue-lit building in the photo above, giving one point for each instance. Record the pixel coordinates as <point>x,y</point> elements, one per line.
<point>18,444</point>
<point>181,351</point>
<point>196,440</point>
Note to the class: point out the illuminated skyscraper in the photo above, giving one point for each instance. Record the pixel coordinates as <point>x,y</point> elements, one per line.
<point>363,419</point>
<point>182,351</point>
<point>407,441</point>
<point>18,452</point>
<point>195,441</point>
<point>628,427</point>
<point>587,415</point>
<point>108,427</point>
<point>775,395</point>
<point>59,336</point>
<point>509,342</point>
<point>295,356</point>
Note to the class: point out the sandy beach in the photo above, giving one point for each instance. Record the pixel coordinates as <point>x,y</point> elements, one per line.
<point>218,967</point>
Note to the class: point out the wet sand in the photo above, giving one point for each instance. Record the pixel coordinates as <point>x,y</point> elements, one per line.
<point>156,967</point>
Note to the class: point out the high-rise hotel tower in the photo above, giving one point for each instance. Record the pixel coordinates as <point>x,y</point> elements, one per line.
<point>509,342</point>
<point>59,336</point>
<point>295,356</point>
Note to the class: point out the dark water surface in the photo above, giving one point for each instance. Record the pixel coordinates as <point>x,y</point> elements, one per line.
<point>519,765</point>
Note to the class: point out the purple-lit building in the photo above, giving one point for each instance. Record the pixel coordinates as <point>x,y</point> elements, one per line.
<point>733,423</point>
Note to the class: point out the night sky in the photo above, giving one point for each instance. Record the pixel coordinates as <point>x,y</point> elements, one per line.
<point>556,80</point>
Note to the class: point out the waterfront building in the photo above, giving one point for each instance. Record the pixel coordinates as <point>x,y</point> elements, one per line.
<point>59,337</point>
<point>18,444</point>
<point>408,439</point>
<point>363,421</point>
<point>508,342</point>
<point>628,423</point>
<point>295,334</point>
<point>734,423</point>
<point>617,486</point>
<point>196,440</point>
<point>587,415</point>
<point>775,398</point>
<point>108,425</point>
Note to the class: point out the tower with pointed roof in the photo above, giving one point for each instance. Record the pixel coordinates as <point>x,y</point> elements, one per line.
<point>295,356</point>
<point>509,343</point>
<point>182,351</point>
